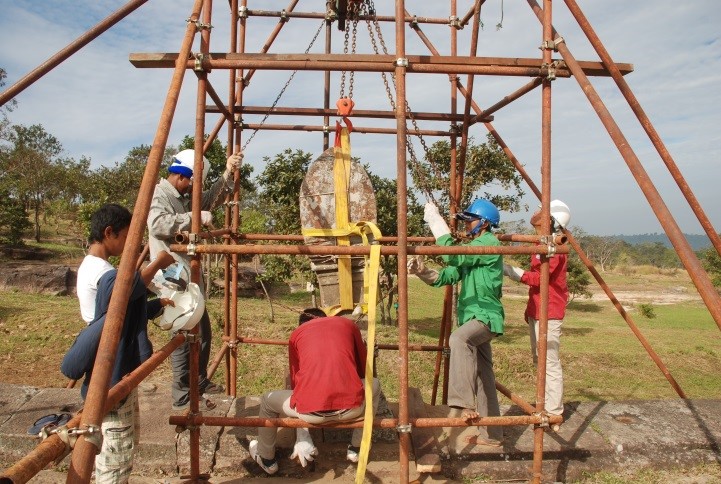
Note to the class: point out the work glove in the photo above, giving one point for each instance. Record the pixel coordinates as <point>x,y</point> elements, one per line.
<point>433,218</point>
<point>231,165</point>
<point>417,267</point>
<point>304,449</point>
<point>206,218</point>
<point>514,273</point>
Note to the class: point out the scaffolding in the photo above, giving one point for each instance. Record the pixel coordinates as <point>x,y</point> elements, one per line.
<point>464,114</point>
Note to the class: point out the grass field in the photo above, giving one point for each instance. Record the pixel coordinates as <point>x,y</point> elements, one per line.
<point>602,358</point>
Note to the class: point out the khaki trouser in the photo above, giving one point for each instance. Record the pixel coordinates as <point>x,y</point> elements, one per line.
<point>471,381</point>
<point>115,461</point>
<point>277,404</point>
<point>554,372</point>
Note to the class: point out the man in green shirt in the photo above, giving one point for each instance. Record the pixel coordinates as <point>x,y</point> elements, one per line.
<point>471,382</point>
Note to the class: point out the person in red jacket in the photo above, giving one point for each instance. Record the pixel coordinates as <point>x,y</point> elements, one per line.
<point>327,357</point>
<point>557,300</point>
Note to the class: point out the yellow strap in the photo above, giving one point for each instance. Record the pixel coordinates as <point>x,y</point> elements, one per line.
<point>370,289</point>
<point>372,269</point>
<point>341,180</point>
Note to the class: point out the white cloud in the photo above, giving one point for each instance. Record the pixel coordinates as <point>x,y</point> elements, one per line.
<point>100,106</point>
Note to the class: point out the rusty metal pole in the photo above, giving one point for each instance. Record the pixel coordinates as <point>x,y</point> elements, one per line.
<point>467,105</point>
<point>196,226</point>
<point>326,82</point>
<point>226,353</point>
<point>401,63</point>
<point>448,299</point>
<point>542,339</point>
<point>69,50</point>
<point>645,123</point>
<point>237,91</point>
<point>81,464</point>
<point>445,326</point>
<point>700,278</point>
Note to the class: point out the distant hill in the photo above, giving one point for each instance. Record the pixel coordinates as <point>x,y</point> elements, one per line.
<point>696,241</point>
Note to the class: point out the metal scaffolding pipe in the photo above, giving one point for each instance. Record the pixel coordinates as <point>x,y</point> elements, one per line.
<point>385,423</point>
<point>486,113</point>
<point>357,113</point>
<point>317,15</point>
<point>364,250</point>
<point>326,129</point>
<point>373,63</point>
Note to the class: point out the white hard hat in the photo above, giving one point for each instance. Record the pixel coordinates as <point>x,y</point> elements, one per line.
<point>189,308</point>
<point>184,162</point>
<point>560,213</point>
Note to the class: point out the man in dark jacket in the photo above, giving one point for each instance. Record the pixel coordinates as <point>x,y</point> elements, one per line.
<point>115,461</point>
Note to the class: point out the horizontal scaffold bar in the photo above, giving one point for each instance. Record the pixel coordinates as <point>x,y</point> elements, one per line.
<point>501,66</point>
<point>385,423</point>
<point>365,249</point>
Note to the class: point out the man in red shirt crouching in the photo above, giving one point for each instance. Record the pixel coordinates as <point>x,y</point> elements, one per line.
<point>327,358</point>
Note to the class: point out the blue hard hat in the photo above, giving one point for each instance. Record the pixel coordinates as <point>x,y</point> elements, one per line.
<point>481,209</point>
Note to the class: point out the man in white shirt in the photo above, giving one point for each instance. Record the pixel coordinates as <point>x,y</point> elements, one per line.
<point>95,264</point>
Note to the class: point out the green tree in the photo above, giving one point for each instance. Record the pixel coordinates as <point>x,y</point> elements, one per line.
<point>577,278</point>
<point>279,186</point>
<point>13,219</point>
<point>386,192</point>
<point>487,167</point>
<point>5,109</point>
<point>712,263</point>
<point>30,166</point>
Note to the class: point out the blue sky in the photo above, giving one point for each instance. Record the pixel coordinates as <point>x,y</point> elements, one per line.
<point>98,105</point>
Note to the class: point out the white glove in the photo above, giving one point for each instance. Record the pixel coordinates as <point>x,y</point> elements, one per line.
<point>231,164</point>
<point>206,218</point>
<point>416,266</point>
<point>433,218</point>
<point>304,449</point>
<point>513,273</point>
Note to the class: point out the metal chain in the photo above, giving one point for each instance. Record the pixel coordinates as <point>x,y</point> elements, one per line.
<point>282,91</point>
<point>416,167</point>
<point>345,51</point>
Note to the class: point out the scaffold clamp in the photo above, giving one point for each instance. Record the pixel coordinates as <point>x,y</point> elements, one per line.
<point>455,22</point>
<point>198,66</point>
<point>401,62</point>
<point>242,11</point>
<point>446,352</point>
<point>414,22</point>
<point>283,16</point>
<point>544,419</point>
<point>404,429</point>
<point>200,25</point>
<point>192,244</point>
<point>550,70</point>
<point>551,44</point>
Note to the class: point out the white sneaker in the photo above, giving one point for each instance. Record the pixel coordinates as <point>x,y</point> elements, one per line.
<point>352,453</point>
<point>269,466</point>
